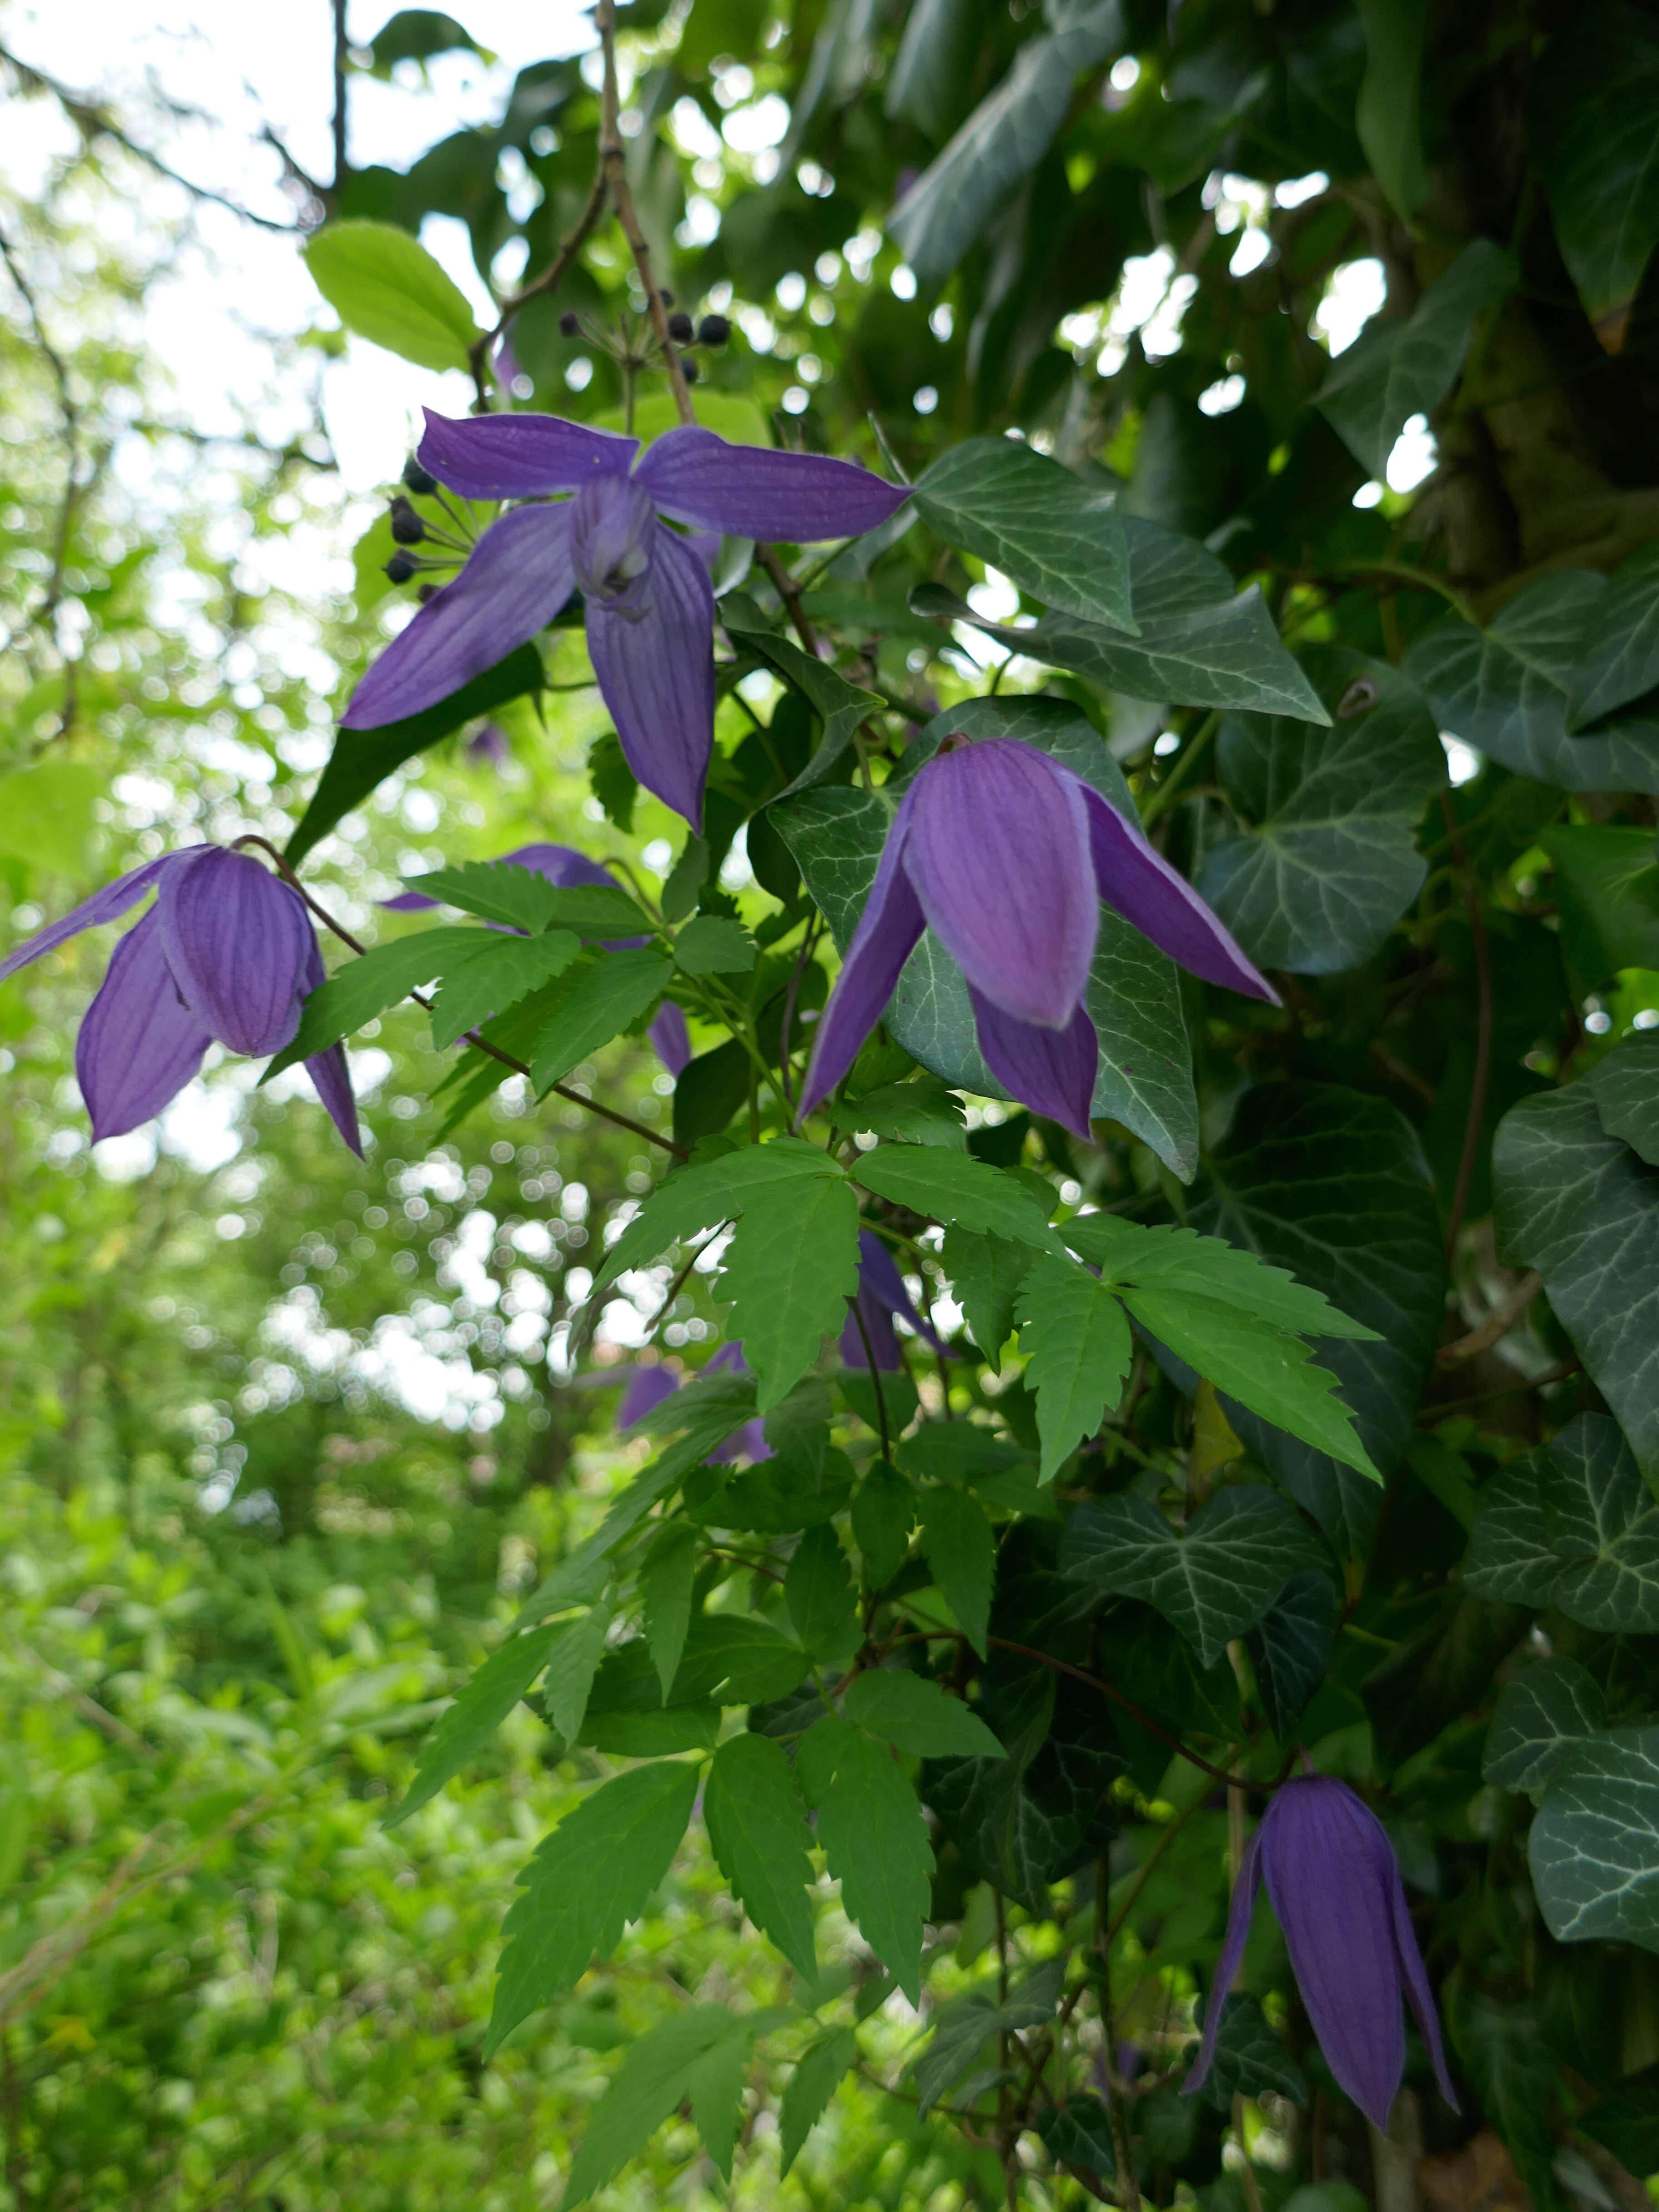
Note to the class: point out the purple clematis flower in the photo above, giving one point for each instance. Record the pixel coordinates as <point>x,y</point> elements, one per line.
<point>648,1387</point>
<point>563,865</point>
<point>226,953</point>
<point>1005,854</point>
<point>1333,1882</point>
<point>650,606</point>
<point>881,1294</point>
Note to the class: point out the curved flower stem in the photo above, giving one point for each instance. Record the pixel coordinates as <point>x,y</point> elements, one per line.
<point>613,168</point>
<point>875,1380</point>
<point>790,593</point>
<point>482,1043</point>
<point>1159,798</point>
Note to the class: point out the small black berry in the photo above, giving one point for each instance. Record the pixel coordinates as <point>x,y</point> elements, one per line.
<point>679,327</point>
<point>689,371</point>
<point>667,299</point>
<point>714,331</point>
<point>400,567</point>
<point>419,479</point>
<point>407,528</point>
<point>569,322</point>
<point>425,592</point>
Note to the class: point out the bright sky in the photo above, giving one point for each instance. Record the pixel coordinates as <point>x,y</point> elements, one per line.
<point>237,67</point>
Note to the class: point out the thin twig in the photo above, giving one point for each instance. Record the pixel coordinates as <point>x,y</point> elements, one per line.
<point>875,1380</point>
<point>1477,1112</point>
<point>1094,1682</point>
<point>1498,1324</point>
<point>340,123</point>
<point>612,156</point>
<point>550,280</point>
<point>789,591</point>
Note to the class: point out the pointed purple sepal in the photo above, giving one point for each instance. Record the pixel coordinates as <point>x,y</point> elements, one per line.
<point>645,1389</point>
<point>1138,883</point>
<point>139,1044</point>
<point>520,456</point>
<point>888,931</point>
<point>655,664</point>
<point>1051,1070</point>
<point>107,905</point>
<point>238,941</point>
<point>670,1039</point>
<point>751,491</point>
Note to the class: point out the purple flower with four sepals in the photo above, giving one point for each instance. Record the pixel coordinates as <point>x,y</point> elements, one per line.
<point>226,954</point>
<point>1334,1885</point>
<point>881,1295</point>
<point>649,603</point>
<point>563,865</point>
<point>1005,854</point>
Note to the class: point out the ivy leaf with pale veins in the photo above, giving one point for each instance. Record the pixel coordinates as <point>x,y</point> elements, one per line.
<point>463,1731</point>
<point>1077,1349</point>
<point>1596,119</point>
<point>587,1879</point>
<point>1213,1580</point>
<point>1291,1647</point>
<point>840,706</point>
<point>1249,2059</point>
<point>761,1843</point>
<point>1571,1524</point>
<point>1580,1207</point>
<point>1541,1715</point>
<point>876,1842</point>
<point>1626,1086</point>
<point>1058,538</point>
<point>1594,1848</point>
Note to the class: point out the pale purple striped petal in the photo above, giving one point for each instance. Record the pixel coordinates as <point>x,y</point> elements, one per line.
<point>1051,1070</point>
<point>880,1280</point>
<point>750,1443</point>
<point>238,941</point>
<point>107,905</point>
<point>139,1044</point>
<point>1419,1995</point>
<point>520,456</point>
<point>331,1077</point>
<point>517,579</point>
<point>887,935</point>
<point>750,491</point>
<point>646,1387</point>
<point>1328,1885</point>
<point>669,1037</point>
<point>1232,1950</point>
<point>998,854</point>
<point>656,673</point>
<point>1136,880</point>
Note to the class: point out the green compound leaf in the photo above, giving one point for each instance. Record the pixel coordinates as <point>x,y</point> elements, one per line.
<point>509,970</point>
<point>495,891</point>
<point>462,1732</point>
<point>761,1843</point>
<point>594,1001</point>
<point>1326,862</point>
<point>1213,1580</point>
<point>1580,1207</point>
<point>916,1715</point>
<point>962,1551</point>
<point>789,1270</point>
<point>1058,538</point>
<point>571,1666</point>
<point>1541,1716</point>
<point>702,2054</point>
<point>384,285</point>
<point>702,1197</point>
<point>817,1593</point>
<point>1131,1255</point>
<point>1077,1346</point>
<point>875,1838</point>
<point>1594,1849</point>
<point>713,944</point>
<point>985,1273</point>
<point>666,1581</point>
<point>586,1881</point>
<point>953,1187</point>
<point>360,989</point>
<point>818,2073</point>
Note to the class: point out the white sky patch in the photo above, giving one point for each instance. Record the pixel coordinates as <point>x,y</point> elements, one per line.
<point>1415,456</point>
<point>1356,291</point>
<point>1463,763</point>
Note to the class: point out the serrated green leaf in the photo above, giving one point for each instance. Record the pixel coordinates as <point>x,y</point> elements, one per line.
<point>915,1715</point>
<point>496,890</point>
<point>595,998</point>
<point>713,944</point>
<point>741,1661</point>
<point>586,1881</point>
<point>1058,538</point>
<point>384,285</point>
<point>1594,1848</point>
<point>665,1586</point>
<point>507,970</point>
<point>817,1592</point>
<point>1541,1715</point>
<point>360,989</point>
<point>921,1112</point>
<point>817,2074</point>
<point>840,706</point>
<point>1214,1579</point>
<point>1078,1349</point>
<point>962,2028</point>
<point>703,1196</point>
<point>985,1273</point>
<point>1131,1255</point>
<point>875,1839</point>
<point>789,1270</point>
<point>883,1514</point>
<point>572,1664</point>
<point>1580,1207</point>
<point>962,1551</point>
<point>761,1843</point>
<point>1326,861</point>
<point>463,1731</point>
<point>656,2074</point>
<point>953,1187</point>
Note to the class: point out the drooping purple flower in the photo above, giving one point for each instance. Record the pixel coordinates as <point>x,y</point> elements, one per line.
<point>671,1040</point>
<point>644,1390</point>
<point>227,954</point>
<point>648,1387</point>
<point>1334,1885</point>
<point>1005,854</point>
<point>649,603</point>
<point>881,1295</point>
<point>488,746</point>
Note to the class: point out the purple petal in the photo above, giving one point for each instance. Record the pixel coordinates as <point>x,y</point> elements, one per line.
<point>670,1038</point>
<point>999,857</point>
<point>613,533</point>
<point>520,456</point>
<point>750,491</point>
<point>1136,880</point>
<point>728,1360</point>
<point>560,864</point>
<point>518,577</point>
<point>1419,1995</point>
<point>331,1077</point>
<point>886,936</point>
<point>1330,1888</point>
<point>878,1327</point>
<point>107,905</point>
<point>1051,1070</point>
<point>656,672</point>
<point>1232,1950</point>
<point>646,1387</point>
<point>880,1280</point>
<point>139,1044</point>
<point>239,942</point>
<point>750,1443</point>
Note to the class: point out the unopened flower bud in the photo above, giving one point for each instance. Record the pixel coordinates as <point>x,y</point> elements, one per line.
<point>400,567</point>
<point>714,331</point>
<point>407,528</point>
<point>419,479</point>
<point>569,322</point>
<point>679,327</point>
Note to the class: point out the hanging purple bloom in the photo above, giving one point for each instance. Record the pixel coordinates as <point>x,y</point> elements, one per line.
<point>488,746</point>
<point>648,1388</point>
<point>1334,1883</point>
<point>227,954</point>
<point>881,1294</point>
<point>671,1040</point>
<point>650,606</point>
<point>1006,855</point>
<point>644,1392</point>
